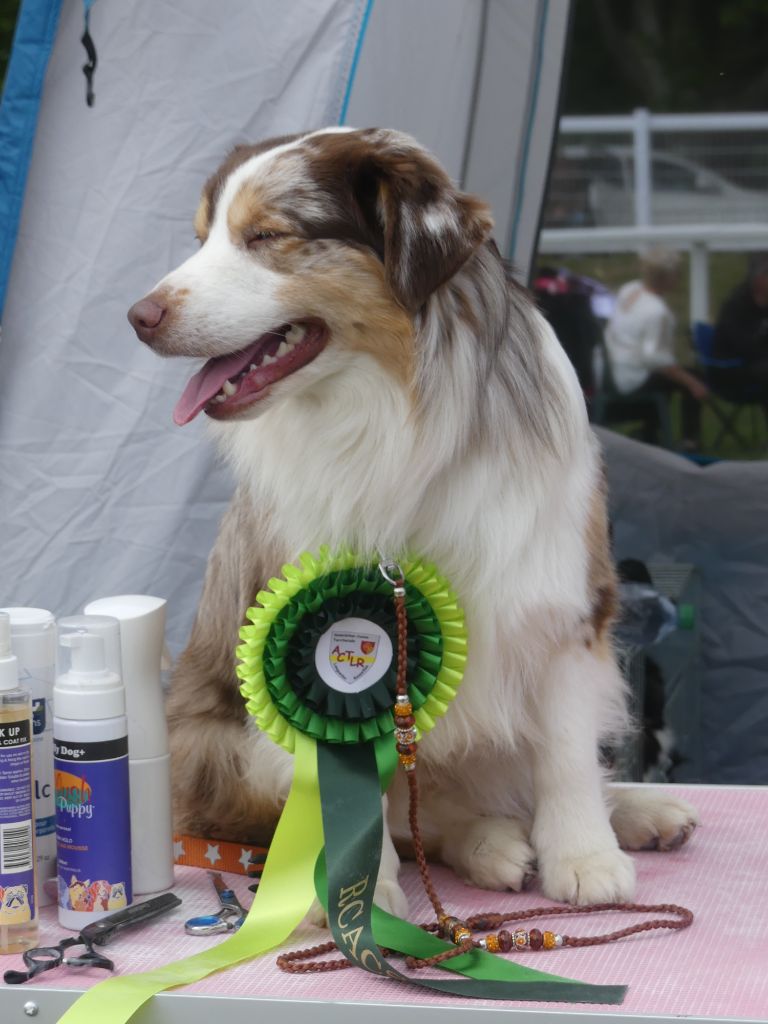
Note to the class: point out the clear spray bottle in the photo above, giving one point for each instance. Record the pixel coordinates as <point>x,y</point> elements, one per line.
<point>18,902</point>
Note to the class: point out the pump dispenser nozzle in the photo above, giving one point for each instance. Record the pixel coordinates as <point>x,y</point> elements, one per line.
<point>89,690</point>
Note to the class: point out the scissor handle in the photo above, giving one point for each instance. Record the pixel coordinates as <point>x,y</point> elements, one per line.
<point>39,959</point>
<point>228,919</point>
<point>90,958</point>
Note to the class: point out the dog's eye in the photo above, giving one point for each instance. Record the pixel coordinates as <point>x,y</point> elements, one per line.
<point>261,236</point>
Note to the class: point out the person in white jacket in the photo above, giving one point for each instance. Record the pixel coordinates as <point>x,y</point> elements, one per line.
<point>640,342</point>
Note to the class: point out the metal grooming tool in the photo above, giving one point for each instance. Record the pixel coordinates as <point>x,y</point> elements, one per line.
<point>228,918</point>
<point>99,933</point>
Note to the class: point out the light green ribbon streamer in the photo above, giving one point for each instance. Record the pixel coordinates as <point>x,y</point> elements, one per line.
<point>284,896</point>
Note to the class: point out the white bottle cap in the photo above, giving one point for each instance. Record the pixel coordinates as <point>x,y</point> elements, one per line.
<point>9,670</point>
<point>89,691</point>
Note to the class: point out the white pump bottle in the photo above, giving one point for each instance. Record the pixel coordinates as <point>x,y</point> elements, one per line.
<point>142,635</point>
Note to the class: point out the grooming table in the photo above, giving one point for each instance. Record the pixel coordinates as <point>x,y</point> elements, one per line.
<point>717,970</point>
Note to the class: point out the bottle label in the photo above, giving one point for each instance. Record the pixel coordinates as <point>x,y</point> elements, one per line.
<point>93,824</point>
<point>17,870</point>
<point>39,682</point>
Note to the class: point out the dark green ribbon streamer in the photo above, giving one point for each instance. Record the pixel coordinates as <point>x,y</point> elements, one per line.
<point>352,779</point>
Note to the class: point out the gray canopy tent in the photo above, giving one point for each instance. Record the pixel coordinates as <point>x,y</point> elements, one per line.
<point>100,493</point>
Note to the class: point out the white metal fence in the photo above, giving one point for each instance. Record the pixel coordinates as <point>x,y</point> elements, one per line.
<point>694,181</point>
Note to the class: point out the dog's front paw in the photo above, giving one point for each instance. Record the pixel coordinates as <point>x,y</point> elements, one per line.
<point>492,853</point>
<point>651,819</point>
<point>607,876</point>
<point>390,897</point>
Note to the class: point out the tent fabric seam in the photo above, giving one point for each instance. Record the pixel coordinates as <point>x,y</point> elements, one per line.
<point>525,149</point>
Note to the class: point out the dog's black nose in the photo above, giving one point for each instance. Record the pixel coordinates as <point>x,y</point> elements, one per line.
<point>145,317</point>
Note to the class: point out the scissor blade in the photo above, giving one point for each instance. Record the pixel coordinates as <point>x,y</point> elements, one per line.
<point>226,894</point>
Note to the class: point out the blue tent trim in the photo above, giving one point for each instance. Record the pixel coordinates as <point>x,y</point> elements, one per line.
<point>355,61</point>
<point>32,44</point>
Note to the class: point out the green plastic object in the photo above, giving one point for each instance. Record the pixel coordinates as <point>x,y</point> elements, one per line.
<point>686,616</point>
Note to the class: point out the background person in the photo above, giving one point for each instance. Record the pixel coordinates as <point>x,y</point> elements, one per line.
<point>640,342</point>
<point>741,332</point>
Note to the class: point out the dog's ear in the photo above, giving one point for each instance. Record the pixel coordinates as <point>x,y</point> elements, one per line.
<point>423,228</point>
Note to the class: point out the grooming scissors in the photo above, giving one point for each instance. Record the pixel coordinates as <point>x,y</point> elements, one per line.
<point>228,918</point>
<point>99,933</point>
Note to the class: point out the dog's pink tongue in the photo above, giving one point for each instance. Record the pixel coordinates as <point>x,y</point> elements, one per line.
<point>206,383</point>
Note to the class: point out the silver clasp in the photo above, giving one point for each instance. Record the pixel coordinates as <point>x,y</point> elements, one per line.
<point>393,574</point>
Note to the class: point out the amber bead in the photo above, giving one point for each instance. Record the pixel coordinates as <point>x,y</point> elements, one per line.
<point>405,721</point>
<point>505,941</point>
<point>549,940</point>
<point>403,710</point>
<point>492,943</point>
<point>535,938</point>
<point>406,748</point>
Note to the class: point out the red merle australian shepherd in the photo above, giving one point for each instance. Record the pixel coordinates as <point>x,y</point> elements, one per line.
<point>378,382</point>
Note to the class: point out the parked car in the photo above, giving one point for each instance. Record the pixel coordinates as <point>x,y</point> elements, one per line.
<point>595,185</point>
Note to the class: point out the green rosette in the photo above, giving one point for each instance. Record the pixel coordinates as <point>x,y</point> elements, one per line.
<point>281,686</point>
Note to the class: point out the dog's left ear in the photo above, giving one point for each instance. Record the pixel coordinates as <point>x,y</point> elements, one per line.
<point>422,226</point>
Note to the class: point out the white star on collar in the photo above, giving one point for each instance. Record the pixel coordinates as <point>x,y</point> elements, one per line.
<point>245,858</point>
<point>178,849</point>
<point>212,854</point>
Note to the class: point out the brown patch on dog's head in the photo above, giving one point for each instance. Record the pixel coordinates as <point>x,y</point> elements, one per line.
<point>250,214</point>
<point>347,289</point>
<point>202,221</point>
<point>394,198</point>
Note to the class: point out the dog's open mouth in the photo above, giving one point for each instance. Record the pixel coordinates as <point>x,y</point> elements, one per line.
<point>228,384</point>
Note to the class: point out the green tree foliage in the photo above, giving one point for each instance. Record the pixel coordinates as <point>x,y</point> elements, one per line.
<point>667,55</point>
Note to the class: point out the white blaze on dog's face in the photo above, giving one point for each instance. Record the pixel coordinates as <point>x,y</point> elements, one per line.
<point>316,250</point>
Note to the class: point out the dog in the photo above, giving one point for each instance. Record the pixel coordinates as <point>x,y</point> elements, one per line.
<point>379,382</point>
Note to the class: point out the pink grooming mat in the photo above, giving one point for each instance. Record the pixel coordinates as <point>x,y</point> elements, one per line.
<point>718,968</point>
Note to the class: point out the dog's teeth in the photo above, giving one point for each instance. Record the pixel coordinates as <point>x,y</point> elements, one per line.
<point>267,360</point>
<point>284,347</point>
<point>252,366</point>
<point>229,388</point>
<point>220,398</point>
<point>294,334</point>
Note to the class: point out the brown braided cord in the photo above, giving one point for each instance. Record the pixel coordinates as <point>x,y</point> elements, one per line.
<point>300,962</point>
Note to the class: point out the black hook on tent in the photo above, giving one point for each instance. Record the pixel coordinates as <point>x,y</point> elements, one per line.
<point>90,65</point>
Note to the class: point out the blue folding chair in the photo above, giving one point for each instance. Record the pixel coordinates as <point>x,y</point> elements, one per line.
<point>730,401</point>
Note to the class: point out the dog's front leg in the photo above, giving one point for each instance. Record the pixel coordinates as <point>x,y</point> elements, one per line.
<point>388,895</point>
<point>578,855</point>
<point>229,780</point>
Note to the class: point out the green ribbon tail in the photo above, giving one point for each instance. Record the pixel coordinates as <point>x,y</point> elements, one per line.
<point>351,781</point>
<point>284,896</point>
